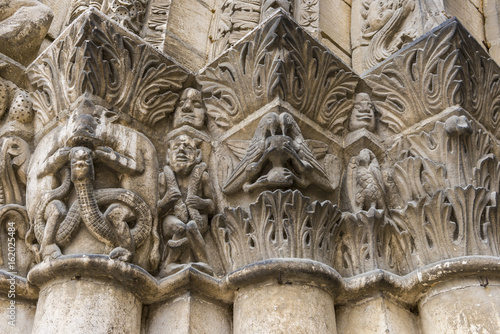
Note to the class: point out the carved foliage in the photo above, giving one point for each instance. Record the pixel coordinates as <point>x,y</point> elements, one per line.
<point>481,82</point>
<point>368,240</point>
<point>457,144</point>
<point>307,15</point>
<point>446,67</point>
<point>279,225</point>
<point>279,60</point>
<point>14,160</point>
<point>95,56</point>
<point>417,83</point>
<point>451,223</point>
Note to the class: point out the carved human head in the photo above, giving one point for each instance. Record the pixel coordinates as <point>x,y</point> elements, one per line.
<point>365,156</point>
<point>190,110</point>
<point>82,166</point>
<point>183,154</point>
<point>363,113</point>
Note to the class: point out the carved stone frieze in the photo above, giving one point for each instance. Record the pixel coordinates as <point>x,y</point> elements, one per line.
<point>386,27</point>
<point>281,224</point>
<point>125,179</point>
<point>129,13</point>
<point>95,55</point>
<point>279,60</point>
<point>307,14</point>
<point>234,19</point>
<point>155,29</point>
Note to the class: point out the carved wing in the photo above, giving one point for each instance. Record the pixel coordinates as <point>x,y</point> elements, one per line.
<point>374,169</point>
<point>239,147</point>
<point>239,176</point>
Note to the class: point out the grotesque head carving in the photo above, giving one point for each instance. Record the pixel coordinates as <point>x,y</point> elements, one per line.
<point>183,154</point>
<point>363,114</point>
<point>190,110</point>
<point>82,166</point>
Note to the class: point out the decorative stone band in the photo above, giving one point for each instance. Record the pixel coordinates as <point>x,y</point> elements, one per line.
<point>23,289</point>
<point>282,271</point>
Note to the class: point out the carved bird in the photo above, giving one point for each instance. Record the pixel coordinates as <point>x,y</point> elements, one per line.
<point>248,165</point>
<point>289,127</point>
<point>277,157</point>
<point>365,182</point>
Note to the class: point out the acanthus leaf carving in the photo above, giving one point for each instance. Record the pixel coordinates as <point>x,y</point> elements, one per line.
<point>279,225</point>
<point>481,82</point>
<point>417,177</point>
<point>469,206</point>
<point>457,144</point>
<point>430,71</point>
<point>355,247</point>
<point>458,221</point>
<point>14,159</point>
<point>279,60</point>
<point>96,57</point>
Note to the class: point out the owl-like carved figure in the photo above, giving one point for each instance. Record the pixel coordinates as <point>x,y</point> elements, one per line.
<point>278,157</point>
<point>365,183</point>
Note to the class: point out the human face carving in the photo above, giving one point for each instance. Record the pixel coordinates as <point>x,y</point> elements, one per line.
<point>190,110</point>
<point>183,154</point>
<point>363,114</point>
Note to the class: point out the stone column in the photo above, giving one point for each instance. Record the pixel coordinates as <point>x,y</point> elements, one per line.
<point>89,294</point>
<point>17,304</point>
<point>283,308</point>
<point>283,296</point>
<point>379,313</point>
<point>189,302</point>
<point>462,305</point>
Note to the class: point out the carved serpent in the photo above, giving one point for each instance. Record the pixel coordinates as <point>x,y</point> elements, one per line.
<point>86,208</point>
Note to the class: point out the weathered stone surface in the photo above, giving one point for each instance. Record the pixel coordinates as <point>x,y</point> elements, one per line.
<point>189,313</point>
<point>374,315</point>
<point>23,26</point>
<point>284,309</point>
<point>83,306</point>
<point>466,305</point>
<point>275,190</point>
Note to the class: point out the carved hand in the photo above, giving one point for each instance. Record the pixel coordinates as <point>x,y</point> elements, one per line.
<point>117,161</point>
<point>169,199</point>
<point>55,162</point>
<point>198,203</point>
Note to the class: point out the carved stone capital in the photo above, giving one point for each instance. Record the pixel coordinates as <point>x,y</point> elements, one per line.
<point>95,55</point>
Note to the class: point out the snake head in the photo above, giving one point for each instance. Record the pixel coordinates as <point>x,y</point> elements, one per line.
<point>82,166</point>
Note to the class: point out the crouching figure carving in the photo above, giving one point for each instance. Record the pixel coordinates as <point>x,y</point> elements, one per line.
<point>185,203</point>
<point>117,217</point>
